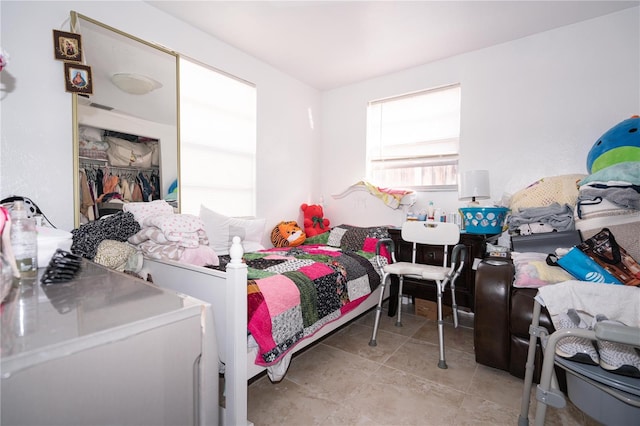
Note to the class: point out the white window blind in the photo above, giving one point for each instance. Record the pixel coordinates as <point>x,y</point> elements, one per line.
<point>217,141</point>
<point>412,140</point>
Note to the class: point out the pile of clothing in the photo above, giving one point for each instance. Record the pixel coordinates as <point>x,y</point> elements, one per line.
<point>169,236</point>
<point>150,229</point>
<point>544,206</point>
<point>610,198</point>
<point>535,220</point>
<point>105,242</point>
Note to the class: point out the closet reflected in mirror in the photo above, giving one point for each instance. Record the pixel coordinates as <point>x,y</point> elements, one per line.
<point>126,134</point>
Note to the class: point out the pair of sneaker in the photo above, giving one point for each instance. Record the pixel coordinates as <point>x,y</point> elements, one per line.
<point>618,357</point>
<point>611,356</point>
<point>579,349</point>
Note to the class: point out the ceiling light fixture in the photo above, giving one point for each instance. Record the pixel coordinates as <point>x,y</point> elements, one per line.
<point>135,84</point>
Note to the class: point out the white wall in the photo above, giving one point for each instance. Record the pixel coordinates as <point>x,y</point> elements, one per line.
<point>530,108</point>
<point>36,148</point>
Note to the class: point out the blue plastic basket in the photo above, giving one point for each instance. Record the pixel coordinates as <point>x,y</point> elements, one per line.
<point>483,220</point>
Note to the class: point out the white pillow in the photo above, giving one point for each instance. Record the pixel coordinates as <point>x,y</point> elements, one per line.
<point>221,229</point>
<point>250,232</point>
<point>216,227</point>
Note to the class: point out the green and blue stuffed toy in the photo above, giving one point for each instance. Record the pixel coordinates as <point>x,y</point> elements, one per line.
<point>619,144</point>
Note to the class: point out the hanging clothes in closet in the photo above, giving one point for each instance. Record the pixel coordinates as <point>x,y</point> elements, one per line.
<point>87,200</point>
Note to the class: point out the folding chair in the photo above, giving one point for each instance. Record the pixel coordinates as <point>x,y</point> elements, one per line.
<point>431,233</point>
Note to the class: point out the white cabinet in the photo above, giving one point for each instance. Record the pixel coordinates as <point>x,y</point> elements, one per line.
<point>107,349</point>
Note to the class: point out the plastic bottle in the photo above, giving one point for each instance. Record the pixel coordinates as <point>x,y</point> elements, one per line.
<point>24,241</point>
<point>430,211</point>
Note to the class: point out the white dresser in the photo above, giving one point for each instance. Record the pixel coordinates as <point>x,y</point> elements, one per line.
<point>106,349</point>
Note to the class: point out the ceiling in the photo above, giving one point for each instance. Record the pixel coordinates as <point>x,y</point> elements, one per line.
<point>328,44</point>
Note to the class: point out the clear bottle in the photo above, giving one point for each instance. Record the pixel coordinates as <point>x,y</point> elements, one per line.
<point>24,241</point>
<point>430,211</point>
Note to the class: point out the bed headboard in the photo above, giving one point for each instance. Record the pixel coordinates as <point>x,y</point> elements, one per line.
<point>357,206</point>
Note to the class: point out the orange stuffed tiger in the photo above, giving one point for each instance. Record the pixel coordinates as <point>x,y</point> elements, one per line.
<point>287,234</point>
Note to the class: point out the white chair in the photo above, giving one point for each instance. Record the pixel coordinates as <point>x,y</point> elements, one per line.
<point>432,233</point>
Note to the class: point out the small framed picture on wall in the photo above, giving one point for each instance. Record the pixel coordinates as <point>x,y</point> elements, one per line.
<point>67,46</point>
<point>77,78</point>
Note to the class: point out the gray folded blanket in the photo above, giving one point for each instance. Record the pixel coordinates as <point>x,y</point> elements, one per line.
<point>559,217</point>
<point>623,196</point>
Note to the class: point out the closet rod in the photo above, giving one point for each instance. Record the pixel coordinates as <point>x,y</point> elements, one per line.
<point>152,169</point>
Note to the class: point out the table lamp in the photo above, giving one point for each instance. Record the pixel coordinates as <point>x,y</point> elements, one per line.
<point>473,185</point>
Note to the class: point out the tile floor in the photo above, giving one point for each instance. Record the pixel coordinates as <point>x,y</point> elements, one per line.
<point>341,380</point>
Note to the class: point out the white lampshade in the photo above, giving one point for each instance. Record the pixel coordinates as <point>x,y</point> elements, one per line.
<point>473,185</point>
<point>135,84</point>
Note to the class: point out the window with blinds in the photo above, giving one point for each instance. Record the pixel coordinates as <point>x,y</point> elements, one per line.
<point>412,139</point>
<point>217,141</point>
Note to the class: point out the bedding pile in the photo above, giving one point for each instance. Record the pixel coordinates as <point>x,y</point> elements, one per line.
<point>391,197</point>
<point>294,291</point>
<point>87,237</point>
<point>611,198</point>
<point>544,206</point>
<point>152,229</point>
<point>169,236</point>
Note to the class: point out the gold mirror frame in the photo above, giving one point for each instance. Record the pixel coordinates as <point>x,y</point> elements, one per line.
<point>76,19</point>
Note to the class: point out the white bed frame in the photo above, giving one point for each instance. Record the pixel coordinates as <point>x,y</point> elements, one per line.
<point>227,294</point>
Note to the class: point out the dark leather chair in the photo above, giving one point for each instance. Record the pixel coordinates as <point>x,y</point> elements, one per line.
<point>503,313</point>
<point>502,317</point>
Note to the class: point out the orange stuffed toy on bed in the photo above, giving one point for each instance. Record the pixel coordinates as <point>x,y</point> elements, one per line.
<point>287,234</point>
<point>314,222</point>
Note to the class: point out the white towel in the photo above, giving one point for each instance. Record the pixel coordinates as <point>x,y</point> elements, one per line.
<point>616,302</point>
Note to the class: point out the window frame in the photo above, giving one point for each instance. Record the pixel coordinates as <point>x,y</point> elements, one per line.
<point>441,157</point>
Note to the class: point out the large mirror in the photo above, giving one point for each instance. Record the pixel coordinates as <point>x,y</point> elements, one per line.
<point>133,107</point>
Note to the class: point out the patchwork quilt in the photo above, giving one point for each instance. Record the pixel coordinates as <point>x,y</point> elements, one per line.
<point>294,291</point>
